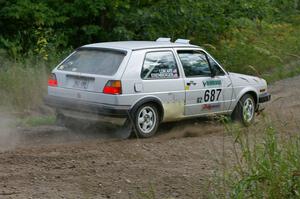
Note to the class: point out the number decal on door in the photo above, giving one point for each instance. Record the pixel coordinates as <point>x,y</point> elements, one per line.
<point>212,95</point>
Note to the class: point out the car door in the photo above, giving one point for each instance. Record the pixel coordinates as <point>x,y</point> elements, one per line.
<point>228,95</point>
<point>161,79</point>
<point>204,93</point>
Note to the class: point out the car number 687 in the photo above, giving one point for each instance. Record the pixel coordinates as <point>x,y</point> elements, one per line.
<point>212,95</point>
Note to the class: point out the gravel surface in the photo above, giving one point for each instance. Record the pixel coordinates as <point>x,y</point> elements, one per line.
<point>53,162</point>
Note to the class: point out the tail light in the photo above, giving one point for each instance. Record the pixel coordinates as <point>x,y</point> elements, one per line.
<point>113,87</point>
<point>52,81</point>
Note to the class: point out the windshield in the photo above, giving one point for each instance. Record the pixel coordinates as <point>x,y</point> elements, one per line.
<point>94,61</point>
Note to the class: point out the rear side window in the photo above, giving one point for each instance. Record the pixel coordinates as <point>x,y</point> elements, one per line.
<point>94,61</point>
<point>159,65</point>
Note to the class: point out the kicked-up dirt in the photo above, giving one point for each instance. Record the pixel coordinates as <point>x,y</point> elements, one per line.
<point>53,162</point>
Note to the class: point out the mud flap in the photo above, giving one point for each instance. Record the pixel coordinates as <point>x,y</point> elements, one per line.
<point>125,131</point>
<point>128,128</point>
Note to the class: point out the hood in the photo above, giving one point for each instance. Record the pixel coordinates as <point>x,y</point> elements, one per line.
<point>247,79</point>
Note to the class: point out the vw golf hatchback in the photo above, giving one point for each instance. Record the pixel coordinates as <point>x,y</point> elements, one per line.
<point>144,83</point>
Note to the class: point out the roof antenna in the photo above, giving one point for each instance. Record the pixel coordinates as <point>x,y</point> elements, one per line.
<point>163,39</point>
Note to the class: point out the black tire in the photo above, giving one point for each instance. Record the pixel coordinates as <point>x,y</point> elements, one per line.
<point>143,128</point>
<point>241,113</point>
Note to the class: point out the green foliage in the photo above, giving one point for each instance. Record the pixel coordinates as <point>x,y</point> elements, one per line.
<point>62,23</point>
<point>20,21</point>
<point>267,167</point>
<point>248,50</point>
<point>257,36</point>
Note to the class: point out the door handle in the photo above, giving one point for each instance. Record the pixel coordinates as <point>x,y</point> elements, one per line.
<point>191,83</point>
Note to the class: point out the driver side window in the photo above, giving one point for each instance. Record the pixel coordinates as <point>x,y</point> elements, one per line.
<point>194,63</point>
<point>215,67</point>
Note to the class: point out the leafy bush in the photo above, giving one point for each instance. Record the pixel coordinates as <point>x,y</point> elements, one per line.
<point>271,51</point>
<point>257,36</point>
<point>61,23</point>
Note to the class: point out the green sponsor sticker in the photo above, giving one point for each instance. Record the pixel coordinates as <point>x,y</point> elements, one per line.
<point>212,83</point>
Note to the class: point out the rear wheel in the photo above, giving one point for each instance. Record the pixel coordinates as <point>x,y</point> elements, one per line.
<point>146,120</point>
<point>244,111</point>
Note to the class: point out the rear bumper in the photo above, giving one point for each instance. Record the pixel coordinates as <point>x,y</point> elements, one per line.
<point>264,98</point>
<point>88,110</point>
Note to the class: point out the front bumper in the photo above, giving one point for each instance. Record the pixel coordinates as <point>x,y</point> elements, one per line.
<point>264,98</point>
<point>88,110</point>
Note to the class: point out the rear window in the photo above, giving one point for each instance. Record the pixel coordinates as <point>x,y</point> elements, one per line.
<point>94,61</point>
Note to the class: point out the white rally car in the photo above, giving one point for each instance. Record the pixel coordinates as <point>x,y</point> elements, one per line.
<point>145,83</point>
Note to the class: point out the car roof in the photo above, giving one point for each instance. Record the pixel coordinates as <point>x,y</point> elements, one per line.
<point>139,45</point>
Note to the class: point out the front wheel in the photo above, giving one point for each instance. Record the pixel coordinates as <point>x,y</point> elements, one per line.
<point>244,111</point>
<point>146,120</point>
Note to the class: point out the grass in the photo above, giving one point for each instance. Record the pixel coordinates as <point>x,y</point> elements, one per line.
<point>33,121</point>
<point>23,82</point>
<point>265,166</point>
<point>260,163</point>
<point>149,194</point>
<point>22,87</point>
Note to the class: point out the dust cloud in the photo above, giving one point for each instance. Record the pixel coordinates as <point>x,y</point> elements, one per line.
<point>8,136</point>
<point>14,135</point>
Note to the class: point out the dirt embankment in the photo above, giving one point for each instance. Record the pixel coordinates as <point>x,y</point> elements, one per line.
<point>52,162</point>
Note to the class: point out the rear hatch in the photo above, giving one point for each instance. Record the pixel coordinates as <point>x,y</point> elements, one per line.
<point>86,72</point>
<point>89,69</point>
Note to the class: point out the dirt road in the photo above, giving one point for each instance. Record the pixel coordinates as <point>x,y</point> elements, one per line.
<point>52,162</point>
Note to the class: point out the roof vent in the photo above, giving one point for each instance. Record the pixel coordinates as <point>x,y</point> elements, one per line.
<point>182,41</point>
<point>163,39</point>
